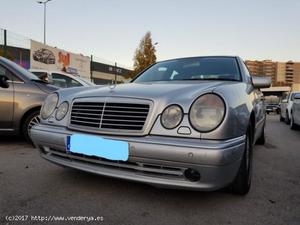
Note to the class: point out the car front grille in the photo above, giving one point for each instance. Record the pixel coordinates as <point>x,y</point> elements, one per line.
<point>111,116</point>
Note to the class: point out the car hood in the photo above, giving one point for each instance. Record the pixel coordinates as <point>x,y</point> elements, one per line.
<point>154,90</point>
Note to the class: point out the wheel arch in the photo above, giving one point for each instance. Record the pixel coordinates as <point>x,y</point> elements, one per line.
<point>252,123</point>
<point>28,112</point>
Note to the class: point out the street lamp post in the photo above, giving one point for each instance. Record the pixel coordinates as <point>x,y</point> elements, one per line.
<point>45,4</point>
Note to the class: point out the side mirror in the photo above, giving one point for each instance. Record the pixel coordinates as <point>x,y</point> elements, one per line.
<point>3,82</point>
<point>284,100</point>
<point>261,82</point>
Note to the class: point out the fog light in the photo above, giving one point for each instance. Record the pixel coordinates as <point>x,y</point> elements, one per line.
<point>192,175</point>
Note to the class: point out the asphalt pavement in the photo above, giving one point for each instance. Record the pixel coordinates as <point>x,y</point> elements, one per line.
<point>33,190</point>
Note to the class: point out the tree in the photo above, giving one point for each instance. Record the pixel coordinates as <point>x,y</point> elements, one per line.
<point>144,54</point>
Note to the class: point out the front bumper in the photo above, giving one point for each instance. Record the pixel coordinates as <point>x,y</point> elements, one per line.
<point>156,160</point>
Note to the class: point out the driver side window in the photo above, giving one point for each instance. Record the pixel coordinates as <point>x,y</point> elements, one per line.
<point>8,74</point>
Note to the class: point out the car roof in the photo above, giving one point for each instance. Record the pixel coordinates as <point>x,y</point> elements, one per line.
<point>51,71</point>
<point>208,56</point>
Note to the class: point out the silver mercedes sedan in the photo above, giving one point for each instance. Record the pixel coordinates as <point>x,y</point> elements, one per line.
<point>187,123</point>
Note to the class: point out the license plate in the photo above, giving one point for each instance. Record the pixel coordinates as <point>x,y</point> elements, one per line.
<point>96,146</point>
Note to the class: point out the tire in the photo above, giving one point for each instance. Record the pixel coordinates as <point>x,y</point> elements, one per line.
<point>293,126</point>
<point>287,119</point>
<point>31,120</point>
<point>262,139</point>
<point>242,182</point>
<point>281,118</point>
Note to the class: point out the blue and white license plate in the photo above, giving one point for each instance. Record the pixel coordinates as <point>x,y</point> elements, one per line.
<point>96,146</point>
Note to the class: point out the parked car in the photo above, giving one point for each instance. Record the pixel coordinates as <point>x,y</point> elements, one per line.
<point>21,96</point>
<point>295,112</point>
<point>286,106</point>
<point>44,55</point>
<point>272,107</point>
<point>61,79</point>
<point>186,123</point>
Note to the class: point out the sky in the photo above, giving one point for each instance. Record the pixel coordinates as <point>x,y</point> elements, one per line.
<point>112,29</point>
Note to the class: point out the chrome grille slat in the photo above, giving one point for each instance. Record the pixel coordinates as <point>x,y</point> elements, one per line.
<point>122,120</point>
<point>91,118</point>
<point>112,116</point>
<point>87,114</point>
<point>118,107</point>
<point>121,124</point>
<point>79,106</point>
<point>80,121</point>
<point>118,111</point>
<point>129,116</point>
<point>93,110</point>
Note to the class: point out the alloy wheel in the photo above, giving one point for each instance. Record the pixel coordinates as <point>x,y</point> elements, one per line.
<point>34,121</point>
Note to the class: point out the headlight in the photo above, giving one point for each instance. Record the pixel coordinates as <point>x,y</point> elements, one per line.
<point>49,105</point>
<point>207,112</point>
<point>171,116</point>
<point>62,110</point>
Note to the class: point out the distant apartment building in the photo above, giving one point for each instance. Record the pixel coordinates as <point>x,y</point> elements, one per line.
<point>262,68</point>
<point>293,75</point>
<point>282,73</point>
<point>255,67</point>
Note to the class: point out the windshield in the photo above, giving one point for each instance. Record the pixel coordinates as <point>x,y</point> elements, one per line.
<point>200,68</point>
<point>86,81</point>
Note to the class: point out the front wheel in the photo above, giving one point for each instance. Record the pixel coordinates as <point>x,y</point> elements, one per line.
<point>281,118</point>
<point>262,139</point>
<point>242,182</point>
<point>31,120</point>
<point>287,119</point>
<point>292,123</point>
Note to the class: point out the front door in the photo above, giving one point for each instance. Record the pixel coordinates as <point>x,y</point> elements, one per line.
<point>6,102</point>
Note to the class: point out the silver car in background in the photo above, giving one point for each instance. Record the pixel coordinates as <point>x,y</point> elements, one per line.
<point>295,112</point>
<point>286,106</point>
<point>187,123</point>
<point>61,79</point>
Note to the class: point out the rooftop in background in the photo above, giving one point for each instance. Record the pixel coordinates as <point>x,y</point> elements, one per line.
<point>277,89</point>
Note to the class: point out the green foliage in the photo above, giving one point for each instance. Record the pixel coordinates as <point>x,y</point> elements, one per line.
<point>144,55</point>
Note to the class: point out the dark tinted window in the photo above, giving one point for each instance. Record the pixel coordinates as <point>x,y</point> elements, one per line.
<point>8,74</point>
<point>200,68</point>
<point>293,96</point>
<point>63,81</point>
<point>40,74</point>
<point>297,96</point>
